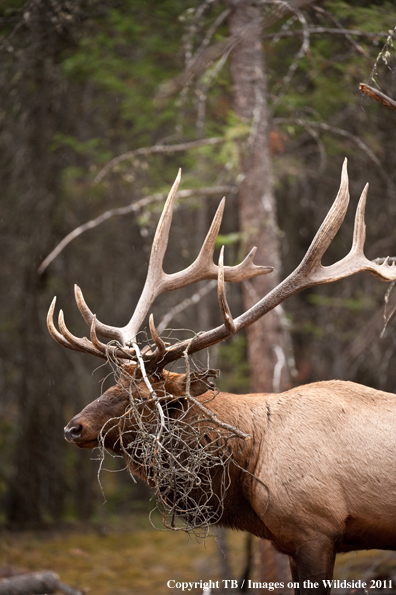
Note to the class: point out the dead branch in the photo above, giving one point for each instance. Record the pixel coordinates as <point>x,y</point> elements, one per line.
<point>155,150</point>
<point>183,475</point>
<point>341,132</point>
<point>206,57</point>
<point>202,89</point>
<point>135,207</point>
<point>327,30</point>
<point>195,298</point>
<point>304,46</point>
<point>378,96</point>
<point>209,35</point>
<point>194,70</point>
<point>203,58</point>
<point>383,54</point>
<point>339,26</point>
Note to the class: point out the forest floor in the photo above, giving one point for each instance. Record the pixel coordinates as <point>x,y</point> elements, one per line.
<point>120,558</point>
<point>130,557</point>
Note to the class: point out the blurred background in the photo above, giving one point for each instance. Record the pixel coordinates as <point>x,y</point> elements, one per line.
<point>100,103</point>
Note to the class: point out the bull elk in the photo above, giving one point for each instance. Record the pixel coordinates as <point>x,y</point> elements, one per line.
<point>312,469</point>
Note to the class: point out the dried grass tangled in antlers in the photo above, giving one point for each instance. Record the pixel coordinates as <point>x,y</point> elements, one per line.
<point>183,449</point>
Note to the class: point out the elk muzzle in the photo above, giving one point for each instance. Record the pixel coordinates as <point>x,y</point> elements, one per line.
<point>81,433</point>
<point>73,431</point>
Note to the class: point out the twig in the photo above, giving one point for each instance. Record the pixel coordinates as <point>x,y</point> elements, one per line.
<point>195,298</point>
<point>203,88</point>
<point>388,317</point>
<point>219,423</point>
<point>154,150</point>
<point>378,96</point>
<point>341,132</point>
<point>132,208</point>
<point>211,31</point>
<point>212,416</point>
<point>322,30</point>
<point>24,10</point>
<point>304,47</point>
<point>181,449</point>
<point>193,28</point>
<point>152,392</point>
<point>358,47</point>
<point>383,55</point>
<point>321,149</point>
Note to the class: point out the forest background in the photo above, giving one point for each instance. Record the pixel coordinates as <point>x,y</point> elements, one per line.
<point>85,82</point>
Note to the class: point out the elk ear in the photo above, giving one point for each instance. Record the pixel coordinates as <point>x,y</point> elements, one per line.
<point>200,382</point>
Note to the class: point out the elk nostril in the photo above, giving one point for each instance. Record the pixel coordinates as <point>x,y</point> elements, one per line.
<point>73,432</point>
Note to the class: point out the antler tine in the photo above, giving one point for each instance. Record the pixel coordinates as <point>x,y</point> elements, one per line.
<point>161,347</point>
<point>94,339</point>
<point>331,223</point>
<point>67,339</point>
<point>246,269</point>
<point>385,271</point>
<point>74,342</point>
<point>106,350</point>
<point>355,261</point>
<point>53,331</point>
<point>155,275</point>
<point>83,347</point>
<point>161,237</point>
<point>207,250</point>
<point>111,332</point>
<point>359,230</point>
<point>203,266</point>
<point>224,307</point>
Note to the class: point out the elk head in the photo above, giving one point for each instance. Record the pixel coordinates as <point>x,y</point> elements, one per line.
<point>108,421</point>
<point>85,429</point>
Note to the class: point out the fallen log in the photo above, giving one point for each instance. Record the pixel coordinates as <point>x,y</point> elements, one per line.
<point>36,583</point>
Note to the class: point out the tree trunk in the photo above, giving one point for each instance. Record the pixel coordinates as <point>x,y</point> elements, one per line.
<point>268,340</point>
<point>39,106</point>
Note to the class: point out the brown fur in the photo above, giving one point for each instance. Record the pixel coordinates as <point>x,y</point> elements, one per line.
<point>325,457</point>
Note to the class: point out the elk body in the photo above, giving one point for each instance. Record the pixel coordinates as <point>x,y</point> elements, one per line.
<point>312,469</point>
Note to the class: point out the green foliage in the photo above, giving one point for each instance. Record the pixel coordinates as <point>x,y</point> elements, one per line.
<point>228,240</point>
<point>316,91</point>
<point>65,140</point>
<point>235,373</point>
<point>355,305</point>
<point>127,55</point>
<point>309,328</point>
<point>233,131</point>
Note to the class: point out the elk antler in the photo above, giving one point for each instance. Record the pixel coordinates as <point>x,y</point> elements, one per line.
<point>157,282</point>
<point>309,272</point>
